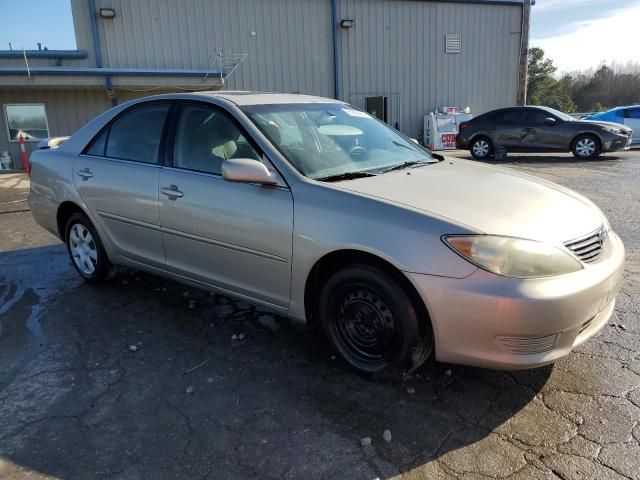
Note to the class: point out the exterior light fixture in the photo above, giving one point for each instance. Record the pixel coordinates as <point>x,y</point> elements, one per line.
<point>107,12</point>
<point>346,23</point>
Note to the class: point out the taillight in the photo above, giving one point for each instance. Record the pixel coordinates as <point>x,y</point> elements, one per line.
<point>463,125</point>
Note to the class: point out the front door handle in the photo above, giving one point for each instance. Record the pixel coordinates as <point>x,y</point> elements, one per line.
<point>530,130</point>
<point>172,191</point>
<point>85,173</point>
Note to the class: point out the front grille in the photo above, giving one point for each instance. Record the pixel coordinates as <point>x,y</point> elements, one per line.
<point>528,345</point>
<point>588,248</point>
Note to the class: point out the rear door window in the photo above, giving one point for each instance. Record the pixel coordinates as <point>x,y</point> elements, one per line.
<point>98,145</point>
<point>136,135</point>
<point>511,117</point>
<point>534,116</point>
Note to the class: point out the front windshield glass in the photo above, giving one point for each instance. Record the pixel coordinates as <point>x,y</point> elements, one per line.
<point>559,114</point>
<point>327,140</point>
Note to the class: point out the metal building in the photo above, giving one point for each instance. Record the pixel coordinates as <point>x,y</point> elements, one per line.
<point>401,58</point>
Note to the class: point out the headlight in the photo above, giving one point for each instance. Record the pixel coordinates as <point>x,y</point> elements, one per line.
<point>514,257</point>
<point>614,130</point>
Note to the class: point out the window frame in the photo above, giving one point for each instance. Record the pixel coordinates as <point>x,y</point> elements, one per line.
<point>29,104</point>
<point>172,128</point>
<point>159,161</point>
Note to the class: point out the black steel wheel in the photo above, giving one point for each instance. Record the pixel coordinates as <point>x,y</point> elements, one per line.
<point>371,321</point>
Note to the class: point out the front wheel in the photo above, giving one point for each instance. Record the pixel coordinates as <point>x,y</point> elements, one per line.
<point>586,147</point>
<point>372,323</point>
<point>85,249</point>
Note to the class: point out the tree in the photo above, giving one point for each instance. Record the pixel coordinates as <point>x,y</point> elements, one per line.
<point>543,88</point>
<point>586,91</point>
<point>541,72</point>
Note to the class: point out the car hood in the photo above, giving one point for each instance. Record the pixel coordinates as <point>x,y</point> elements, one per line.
<point>486,199</point>
<point>602,123</point>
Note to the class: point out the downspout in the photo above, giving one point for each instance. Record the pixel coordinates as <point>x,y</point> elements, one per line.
<point>336,50</point>
<point>98,52</point>
<point>523,65</point>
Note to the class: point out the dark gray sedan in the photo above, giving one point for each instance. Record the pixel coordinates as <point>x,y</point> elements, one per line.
<point>540,129</point>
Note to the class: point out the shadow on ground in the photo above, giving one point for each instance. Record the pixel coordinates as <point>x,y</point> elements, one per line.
<point>140,378</point>
<point>554,158</point>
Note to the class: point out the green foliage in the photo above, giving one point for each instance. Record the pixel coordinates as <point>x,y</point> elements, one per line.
<point>588,91</point>
<point>543,88</point>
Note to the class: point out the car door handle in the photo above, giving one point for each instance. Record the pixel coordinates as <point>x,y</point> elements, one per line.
<point>85,174</point>
<point>172,192</point>
<point>530,130</point>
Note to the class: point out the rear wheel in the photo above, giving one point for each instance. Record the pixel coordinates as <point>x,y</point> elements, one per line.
<point>586,147</point>
<point>372,322</point>
<point>85,249</point>
<point>481,148</point>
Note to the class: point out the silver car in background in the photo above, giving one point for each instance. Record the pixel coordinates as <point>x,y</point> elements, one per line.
<point>322,213</point>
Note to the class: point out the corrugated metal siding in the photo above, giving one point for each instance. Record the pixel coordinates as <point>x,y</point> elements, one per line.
<point>67,110</point>
<point>396,48</point>
<point>291,51</point>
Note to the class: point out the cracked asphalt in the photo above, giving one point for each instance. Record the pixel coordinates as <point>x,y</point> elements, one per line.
<point>140,378</point>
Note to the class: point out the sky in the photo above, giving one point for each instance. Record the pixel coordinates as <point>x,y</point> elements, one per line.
<point>575,34</point>
<point>28,22</point>
<point>581,34</point>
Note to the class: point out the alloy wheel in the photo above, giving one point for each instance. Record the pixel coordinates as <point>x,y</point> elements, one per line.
<point>481,148</point>
<point>585,147</point>
<point>83,249</point>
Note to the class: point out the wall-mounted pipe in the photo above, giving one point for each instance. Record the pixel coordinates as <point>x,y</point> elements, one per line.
<point>72,54</point>
<point>336,50</point>
<point>112,72</point>
<point>98,51</point>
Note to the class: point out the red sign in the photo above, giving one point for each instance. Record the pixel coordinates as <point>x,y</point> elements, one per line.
<point>448,140</point>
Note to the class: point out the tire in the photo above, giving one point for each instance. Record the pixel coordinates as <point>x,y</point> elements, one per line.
<point>372,323</point>
<point>586,147</point>
<point>481,148</point>
<point>86,251</point>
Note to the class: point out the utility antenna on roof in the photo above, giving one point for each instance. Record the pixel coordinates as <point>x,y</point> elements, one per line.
<point>226,62</point>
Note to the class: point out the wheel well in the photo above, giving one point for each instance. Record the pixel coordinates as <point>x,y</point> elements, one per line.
<point>480,135</point>
<point>587,134</point>
<point>334,261</point>
<point>65,210</point>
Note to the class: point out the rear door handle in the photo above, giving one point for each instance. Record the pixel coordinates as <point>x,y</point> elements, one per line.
<point>172,191</point>
<point>85,173</point>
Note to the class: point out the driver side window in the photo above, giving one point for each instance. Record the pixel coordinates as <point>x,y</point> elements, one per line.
<point>205,137</point>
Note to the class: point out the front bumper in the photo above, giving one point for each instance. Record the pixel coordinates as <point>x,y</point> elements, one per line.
<point>491,321</point>
<point>615,142</point>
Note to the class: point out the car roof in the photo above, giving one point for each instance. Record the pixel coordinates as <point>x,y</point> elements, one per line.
<point>242,98</point>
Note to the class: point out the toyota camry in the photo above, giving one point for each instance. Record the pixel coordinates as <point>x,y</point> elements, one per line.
<point>317,210</point>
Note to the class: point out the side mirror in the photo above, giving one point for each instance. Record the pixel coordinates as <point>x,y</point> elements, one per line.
<point>415,141</point>
<point>247,170</point>
<point>550,121</point>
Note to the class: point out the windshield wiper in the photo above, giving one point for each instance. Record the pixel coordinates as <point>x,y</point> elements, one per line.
<point>404,165</point>
<point>345,176</point>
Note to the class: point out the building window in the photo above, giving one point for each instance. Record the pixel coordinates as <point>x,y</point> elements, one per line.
<point>28,121</point>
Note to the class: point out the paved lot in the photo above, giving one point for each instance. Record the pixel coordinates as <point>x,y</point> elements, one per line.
<point>141,379</point>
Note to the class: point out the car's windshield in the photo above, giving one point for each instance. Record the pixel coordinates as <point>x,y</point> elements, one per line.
<point>332,139</point>
<point>559,114</point>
